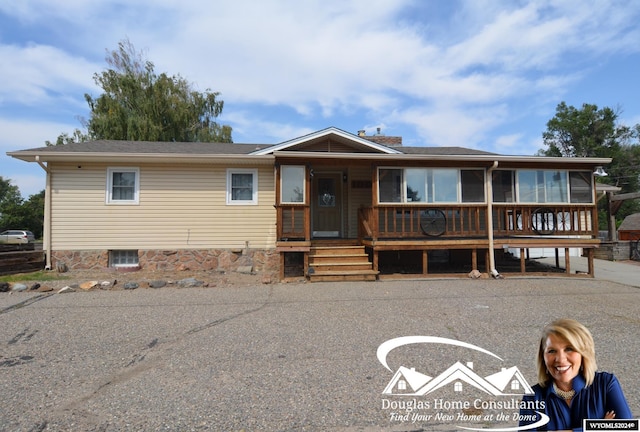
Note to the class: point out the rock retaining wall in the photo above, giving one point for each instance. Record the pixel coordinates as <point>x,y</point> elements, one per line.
<point>264,262</point>
<point>614,251</point>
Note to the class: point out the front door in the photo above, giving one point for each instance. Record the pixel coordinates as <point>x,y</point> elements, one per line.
<point>327,204</point>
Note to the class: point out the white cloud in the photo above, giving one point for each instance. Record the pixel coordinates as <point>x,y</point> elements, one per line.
<point>451,127</point>
<point>505,143</point>
<point>25,134</point>
<point>453,74</point>
<point>40,75</point>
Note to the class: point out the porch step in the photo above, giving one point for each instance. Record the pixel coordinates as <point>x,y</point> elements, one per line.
<point>340,263</point>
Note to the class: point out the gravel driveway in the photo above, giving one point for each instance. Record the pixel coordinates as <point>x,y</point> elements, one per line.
<point>291,357</point>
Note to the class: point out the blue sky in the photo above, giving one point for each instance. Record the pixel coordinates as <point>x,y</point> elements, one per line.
<point>484,74</point>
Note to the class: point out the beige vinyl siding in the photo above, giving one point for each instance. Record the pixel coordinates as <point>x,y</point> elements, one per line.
<point>180,207</point>
<point>357,197</point>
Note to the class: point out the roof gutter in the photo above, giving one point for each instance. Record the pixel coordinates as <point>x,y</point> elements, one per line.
<point>46,234</point>
<point>35,156</point>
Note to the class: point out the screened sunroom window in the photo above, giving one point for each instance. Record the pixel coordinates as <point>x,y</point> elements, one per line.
<point>580,186</point>
<point>431,185</point>
<point>445,185</point>
<point>390,185</point>
<point>292,184</point>
<point>416,180</point>
<point>472,185</point>
<point>542,186</point>
<point>503,185</point>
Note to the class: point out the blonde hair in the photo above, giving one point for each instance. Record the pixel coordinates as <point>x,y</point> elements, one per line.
<point>579,338</point>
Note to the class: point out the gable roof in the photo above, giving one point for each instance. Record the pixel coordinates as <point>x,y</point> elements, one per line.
<point>459,372</point>
<point>413,378</point>
<point>630,223</point>
<point>503,378</point>
<point>333,133</point>
<point>329,143</point>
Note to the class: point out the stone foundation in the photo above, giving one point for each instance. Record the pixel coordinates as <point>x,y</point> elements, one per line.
<point>265,262</point>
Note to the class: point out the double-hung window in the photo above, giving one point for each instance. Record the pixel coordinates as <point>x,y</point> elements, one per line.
<point>242,186</point>
<point>123,185</point>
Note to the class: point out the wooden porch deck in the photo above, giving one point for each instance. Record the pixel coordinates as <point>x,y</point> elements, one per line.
<point>422,229</point>
<point>360,259</point>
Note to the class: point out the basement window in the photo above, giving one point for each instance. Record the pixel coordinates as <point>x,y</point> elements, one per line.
<point>123,258</point>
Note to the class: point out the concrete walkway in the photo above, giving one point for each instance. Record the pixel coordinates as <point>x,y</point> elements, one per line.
<point>624,272</point>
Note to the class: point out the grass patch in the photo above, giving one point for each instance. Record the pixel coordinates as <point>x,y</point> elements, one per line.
<point>33,276</point>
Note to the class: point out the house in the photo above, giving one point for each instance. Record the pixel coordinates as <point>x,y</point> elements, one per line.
<point>329,205</point>
<point>408,382</point>
<point>510,381</point>
<point>457,376</point>
<point>629,229</point>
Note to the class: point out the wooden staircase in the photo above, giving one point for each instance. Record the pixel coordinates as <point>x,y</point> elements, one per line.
<point>331,263</point>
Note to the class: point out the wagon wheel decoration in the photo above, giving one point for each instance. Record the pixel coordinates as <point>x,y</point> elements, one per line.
<point>433,222</point>
<point>543,221</point>
<point>564,221</point>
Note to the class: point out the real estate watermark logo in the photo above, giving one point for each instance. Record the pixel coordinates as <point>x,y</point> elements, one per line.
<point>413,396</point>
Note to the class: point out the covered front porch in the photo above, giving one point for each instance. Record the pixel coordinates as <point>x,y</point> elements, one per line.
<point>428,212</point>
<point>452,240</point>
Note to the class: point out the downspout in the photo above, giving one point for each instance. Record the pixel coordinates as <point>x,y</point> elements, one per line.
<point>492,257</point>
<point>46,235</point>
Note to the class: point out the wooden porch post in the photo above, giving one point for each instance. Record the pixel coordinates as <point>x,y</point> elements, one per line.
<point>425,262</point>
<point>474,259</point>
<point>375,228</point>
<point>375,260</point>
<point>523,264</point>
<point>486,261</point>
<point>307,207</point>
<point>567,261</point>
<point>281,266</point>
<point>591,268</point>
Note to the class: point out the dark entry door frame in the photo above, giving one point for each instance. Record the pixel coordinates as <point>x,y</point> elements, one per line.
<point>326,205</point>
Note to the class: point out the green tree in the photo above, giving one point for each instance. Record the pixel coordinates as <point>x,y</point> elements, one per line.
<point>65,138</point>
<point>9,195</point>
<point>595,132</point>
<point>16,213</point>
<point>139,105</point>
<point>584,132</point>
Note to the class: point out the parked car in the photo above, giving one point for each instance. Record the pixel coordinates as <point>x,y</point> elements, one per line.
<point>17,236</point>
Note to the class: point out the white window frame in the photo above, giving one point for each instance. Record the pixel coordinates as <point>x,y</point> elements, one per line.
<point>109,192</point>
<point>254,191</point>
